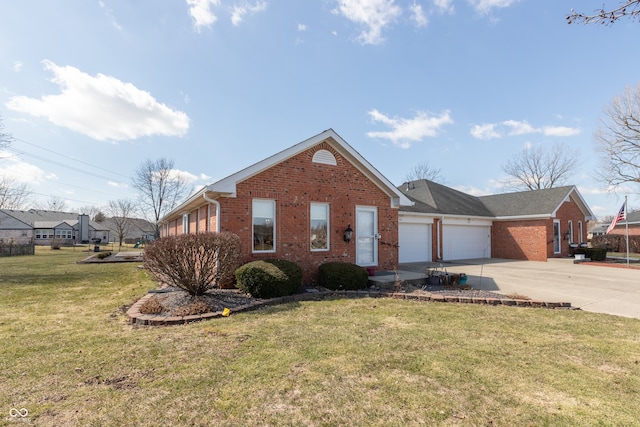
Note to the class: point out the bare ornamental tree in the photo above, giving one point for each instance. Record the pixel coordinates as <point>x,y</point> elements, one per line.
<point>13,195</point>
<point>120,212</point>
<point>424,170</point>
<point>629,8</point>
<point>617,140</point>
<point>53,203</point>
<point>160,189</point>
<point>535,169</point>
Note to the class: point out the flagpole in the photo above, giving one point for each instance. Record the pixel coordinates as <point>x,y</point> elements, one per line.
<point>626,222</point>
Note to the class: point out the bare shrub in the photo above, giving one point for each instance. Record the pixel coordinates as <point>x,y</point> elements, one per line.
<point>152,306</point>
<point>194,262</point>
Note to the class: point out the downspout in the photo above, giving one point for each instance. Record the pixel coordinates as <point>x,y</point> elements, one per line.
<point>217,204</point>
<point>440,227</point>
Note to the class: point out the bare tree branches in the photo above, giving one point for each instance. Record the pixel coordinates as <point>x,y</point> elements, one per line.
<point>535,169</point>
<point>13,195</point>
<point>617,140</point>
<point>5,137</point>
<point>120,212</point>
<point>629,8</point>
<point>53,203</point>
<point>424,170</point>
<point>160,189</point>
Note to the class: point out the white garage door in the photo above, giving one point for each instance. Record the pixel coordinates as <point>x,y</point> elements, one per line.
<point>466,242</point>
<point>415,242</point>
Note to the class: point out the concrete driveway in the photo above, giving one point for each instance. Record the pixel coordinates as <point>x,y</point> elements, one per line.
<point>599,289</point>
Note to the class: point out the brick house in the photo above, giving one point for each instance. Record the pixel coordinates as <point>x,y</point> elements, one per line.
<point>445,224</point>
<point>297,205</point>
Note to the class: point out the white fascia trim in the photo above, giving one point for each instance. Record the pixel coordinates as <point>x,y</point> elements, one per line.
<point>521,217</point>
<point>228,185</point>
<point>416,218</point>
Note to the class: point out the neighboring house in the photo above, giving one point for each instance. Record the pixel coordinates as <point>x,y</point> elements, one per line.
<point>138,230</point>
<point>527,225</point>
<point>632,222</point>
<point>42,227</point>
<point>297,205</point>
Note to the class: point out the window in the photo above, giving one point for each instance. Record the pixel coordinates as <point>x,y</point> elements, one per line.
<point>264,225</point>
<point>580,231</point>
<point>570,231</point>
<point>319,213</point>
<point>185,223</point>
<point>64,234</point>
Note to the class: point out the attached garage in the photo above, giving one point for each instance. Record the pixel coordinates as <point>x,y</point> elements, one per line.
<point>466,241</point>
<point>414,239</point>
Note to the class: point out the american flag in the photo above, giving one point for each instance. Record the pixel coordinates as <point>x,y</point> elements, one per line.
<point>621,215</point>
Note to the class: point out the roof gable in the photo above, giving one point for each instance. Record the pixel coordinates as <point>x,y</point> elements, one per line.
<point>535,203</point>
<point>226,187</point>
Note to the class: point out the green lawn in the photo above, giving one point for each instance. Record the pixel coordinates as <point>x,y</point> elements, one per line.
<point>69,357</point>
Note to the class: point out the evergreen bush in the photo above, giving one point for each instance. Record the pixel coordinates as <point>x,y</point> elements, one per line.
<point>269,278</point>
<point>342,276</point>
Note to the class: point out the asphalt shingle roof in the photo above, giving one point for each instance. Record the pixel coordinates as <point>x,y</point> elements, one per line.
<point>526,203</point>
<point>431,197</point>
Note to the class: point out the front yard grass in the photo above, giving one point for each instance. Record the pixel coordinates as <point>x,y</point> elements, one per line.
<point>69,357</point>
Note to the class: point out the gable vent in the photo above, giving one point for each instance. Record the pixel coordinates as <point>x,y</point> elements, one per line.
<point>324,157</point>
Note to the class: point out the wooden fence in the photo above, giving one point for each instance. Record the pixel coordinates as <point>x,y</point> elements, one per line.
<point>14,249</point>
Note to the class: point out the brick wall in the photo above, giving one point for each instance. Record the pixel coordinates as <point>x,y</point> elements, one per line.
<point>293,184</point>
<point>520,240</point>
<point>533,239</point>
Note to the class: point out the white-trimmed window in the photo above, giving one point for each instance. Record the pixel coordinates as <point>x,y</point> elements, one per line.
<point>570,231</point>
<point>319,231</point>
<point>64,234</point>
<point>264,225</point>
<point>185,224</point>
<point>580,231</point>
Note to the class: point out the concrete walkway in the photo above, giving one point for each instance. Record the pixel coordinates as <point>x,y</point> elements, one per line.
<point>599,289</point>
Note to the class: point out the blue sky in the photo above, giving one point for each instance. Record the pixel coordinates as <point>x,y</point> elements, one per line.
<point>91,89</point>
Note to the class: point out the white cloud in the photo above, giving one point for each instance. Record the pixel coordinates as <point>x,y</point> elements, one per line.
<point>418,16</point>
<point>200,11</point>
<point>302,27</point>
<point>374,15</point>
<point>109,13</point>
<point>117,184</point>
<point>404,131</point>
<point>21,171</point>
<point>484,7</point>
<point>560,131</point>
<point>204,177</point>
<point>239,11</point>
<point>517,128</point>
<point>17,66</point>
<point>484,131</point>
<point>444,6</point>
<point>102,107</point>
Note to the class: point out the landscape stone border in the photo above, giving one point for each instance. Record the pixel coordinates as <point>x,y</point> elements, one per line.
<point>135,317</point>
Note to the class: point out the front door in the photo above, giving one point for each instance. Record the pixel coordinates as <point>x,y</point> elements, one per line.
<point>556,237</point>
<point>366,236</point>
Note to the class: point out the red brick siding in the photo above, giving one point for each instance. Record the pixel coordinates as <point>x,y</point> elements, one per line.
<point>533,239</point>
<point>520,240</point>
<point>294,184</point>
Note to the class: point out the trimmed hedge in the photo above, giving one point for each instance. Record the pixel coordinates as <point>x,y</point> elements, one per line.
<point>269,278</point>
<point>594,254</point>
<point>342,276</point>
